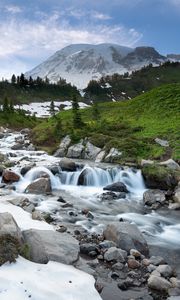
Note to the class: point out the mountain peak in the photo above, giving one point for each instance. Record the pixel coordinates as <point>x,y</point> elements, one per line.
<point>80,63</point>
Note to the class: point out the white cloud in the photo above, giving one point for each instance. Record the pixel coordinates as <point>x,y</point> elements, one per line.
<point>33,41</point>
<point>100,16</point>
<point>14,9</point>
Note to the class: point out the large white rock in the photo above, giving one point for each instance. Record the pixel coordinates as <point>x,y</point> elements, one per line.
<point>162,143</point>
<point>9,226</point>
<point>91,151</point>
<point>113,155</point>
<point>158,283</point>
<point>76,151</point>
<point>100,156</point>
<point>65,143</point>
<point>170,163</point>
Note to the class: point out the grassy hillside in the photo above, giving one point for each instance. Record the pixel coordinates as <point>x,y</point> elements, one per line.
<point>130,85</point>
<point>17,120</point>
<point>131,126</point>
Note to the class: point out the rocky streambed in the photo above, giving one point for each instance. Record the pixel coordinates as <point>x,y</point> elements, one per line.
<point>101,218</point>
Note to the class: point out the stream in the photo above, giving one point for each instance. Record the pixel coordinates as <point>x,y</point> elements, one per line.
<point>161,228</point>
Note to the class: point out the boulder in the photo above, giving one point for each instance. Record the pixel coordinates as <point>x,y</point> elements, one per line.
<point>151,197</point>
<point>46,245</point>
<point>27,168</point>
<point>39,186</point>
<point>156,260</point>
<point>165,270</point>
<point>25,131</point>
<point>147,162</point>
<point>171,164</point>
<point>18,146</point>
<point>10,176</point>
<point>76,151</point>
<point>116,187</point>
<point>9,226</point>
<point>162,143</point>
<point>116,254</point>
<point>82,177</point>
<point>24,203</point>
<point>91,151</point>
<point>133,263</point>
<point>160,177</point>
<point>67,165</point>
<point>114,154</point>
<point>127,236</point>
<point>100,156</point>
<point>177,195</point>
<point>158,283</point>
<point>65,143</point>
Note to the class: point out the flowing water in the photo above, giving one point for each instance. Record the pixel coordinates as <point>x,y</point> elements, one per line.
<point>161,228</point>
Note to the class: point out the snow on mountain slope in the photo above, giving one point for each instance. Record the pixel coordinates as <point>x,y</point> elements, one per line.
<point>79,63</point>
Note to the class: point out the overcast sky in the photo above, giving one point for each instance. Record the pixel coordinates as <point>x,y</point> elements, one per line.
<point>32,30</point>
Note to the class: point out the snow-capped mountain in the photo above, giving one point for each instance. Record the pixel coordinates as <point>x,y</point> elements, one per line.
<point>79,63</point>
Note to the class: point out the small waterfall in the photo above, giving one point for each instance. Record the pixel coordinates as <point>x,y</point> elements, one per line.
<point>35,173</point>
<point>98,177</point>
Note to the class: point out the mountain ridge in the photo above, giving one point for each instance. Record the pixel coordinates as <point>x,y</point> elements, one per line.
<point>80,63</point>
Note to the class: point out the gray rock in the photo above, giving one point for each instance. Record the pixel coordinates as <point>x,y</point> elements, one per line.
<point>162,143</point>
<point>36,215</point>
<point>76,151</point>
<point>135,253</point>
<point>86,248</point>
<point>175,282</point>
<point>27,168</point>
<point>116,254</point>
<point>100,156</point>
<point>39,186</point>
<point>8,226</point>
<point>116,187</point>
<point>67,165</point>
<point>145,162</point>
<point>113,155</point>
<point>18,146</point>
<point>24,203</point>
<point>48,245</point>
<point>158,283</point>
<point>171,164</point>
<point>177,195</point>
<point>65,143</point>
<point>151,197</point>
<point>25,131</point>
<point>91,151</point>
<point>174,206</point>
<point>165,270</point>
<point>156,260</point>
<point>106,244</point>
<point>127,236</point>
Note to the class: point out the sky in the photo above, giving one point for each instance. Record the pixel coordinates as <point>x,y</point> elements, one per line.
<point>32,30</point>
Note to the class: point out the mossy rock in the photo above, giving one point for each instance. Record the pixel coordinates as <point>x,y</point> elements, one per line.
<point>9,248</point>
<point>160,177</point>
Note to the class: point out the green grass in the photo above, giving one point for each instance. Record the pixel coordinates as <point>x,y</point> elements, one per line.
<point>131,126</point>
<point>17,120</point>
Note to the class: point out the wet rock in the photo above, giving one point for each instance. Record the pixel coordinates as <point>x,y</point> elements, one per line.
<point>116,187</point>
<point>116,254</point>
<point>174,206</point>
<point>18,146</point>
<point>165,270</point>
<point>83,266</point>
<point>25,131</point>
<point>127,236</point>
<point>61,228</point>
<point>67,165</point>
<point>133,264</point>
<point>54,169</point>
<point>156,260</point>
<point>106,244</point>
<point>48,245</point>
<point>91,151</point>
<point>39,186</point>
<point>76,151</point>
<point>82,180</point>
<point>27,168</point>
<point>86,248</point>
<point>114,155</point>
<point>158,283</point>
<point>10,176</point>
<point>151,197</point>
<point>65,143</point>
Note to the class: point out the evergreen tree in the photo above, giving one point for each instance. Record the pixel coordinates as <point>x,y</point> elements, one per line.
<point>13,79</point>
<point>77,121</point>
<point>52,108</point>
<point>58,127</point>
<point>95,111</point>
<point>11,106</point>
<point>5,105</point>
